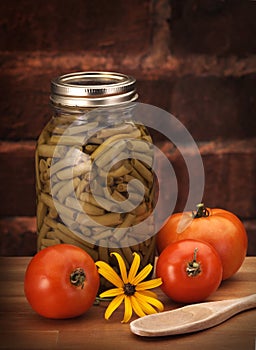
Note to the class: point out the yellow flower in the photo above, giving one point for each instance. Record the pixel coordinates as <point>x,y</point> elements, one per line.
<point>130,288</point>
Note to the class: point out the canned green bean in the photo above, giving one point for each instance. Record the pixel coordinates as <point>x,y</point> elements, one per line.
<point>94,177</point>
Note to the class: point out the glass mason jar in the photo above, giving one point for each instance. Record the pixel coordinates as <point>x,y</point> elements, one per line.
<point>94,180</point>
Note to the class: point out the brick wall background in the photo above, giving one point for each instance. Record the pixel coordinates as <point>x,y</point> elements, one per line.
<point>193,58</point>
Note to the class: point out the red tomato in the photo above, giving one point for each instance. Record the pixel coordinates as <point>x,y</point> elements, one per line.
<point>219,227</point>
<point>191,270</point>
<point>61,281</point>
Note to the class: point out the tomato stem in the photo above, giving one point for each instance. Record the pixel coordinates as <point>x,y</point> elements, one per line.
<point>77,277</point>
<point>193,267</point>
<point>202,211</point>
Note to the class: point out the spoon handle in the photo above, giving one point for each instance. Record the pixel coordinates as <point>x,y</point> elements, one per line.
<point>191,318</point>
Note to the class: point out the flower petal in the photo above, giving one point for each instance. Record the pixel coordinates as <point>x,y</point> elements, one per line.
<point>106,271</point>
<point>149,284</point>
<point>143,274</point>
<point>142,298</point>
<point>121,266</point>
<point>127,309</point>
<point>113,305</point>
<point>112,292</point>
<point>136,307</point>
<point>146,307</point>
<point>149,293</point>
<point>134,267</point>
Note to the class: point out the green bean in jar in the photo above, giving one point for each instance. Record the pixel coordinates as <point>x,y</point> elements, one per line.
<point>94,177</point>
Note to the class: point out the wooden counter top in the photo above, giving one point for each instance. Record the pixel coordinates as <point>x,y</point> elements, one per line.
<point>22,328</point>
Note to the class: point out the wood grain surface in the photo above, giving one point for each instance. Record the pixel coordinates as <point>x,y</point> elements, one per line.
<point>22,328</point>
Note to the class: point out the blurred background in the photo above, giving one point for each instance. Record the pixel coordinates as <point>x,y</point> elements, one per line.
<point>193,58</point>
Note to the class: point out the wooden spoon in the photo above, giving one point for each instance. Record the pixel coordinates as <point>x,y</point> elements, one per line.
<point>191,318</point>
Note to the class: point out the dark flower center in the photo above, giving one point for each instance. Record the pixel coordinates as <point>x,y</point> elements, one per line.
<point>129,289</point>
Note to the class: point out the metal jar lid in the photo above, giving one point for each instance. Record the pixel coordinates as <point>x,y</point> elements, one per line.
<point>93,89</point>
